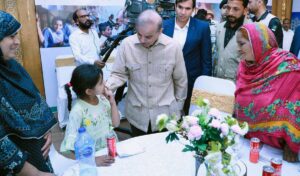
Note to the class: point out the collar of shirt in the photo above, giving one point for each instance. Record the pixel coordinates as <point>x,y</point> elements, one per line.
<point>238,25</point>
<point>264,15</point>
<point>79,31</point>
<point>180,34</point>
<point>160,40</point>
<point>185,28</point>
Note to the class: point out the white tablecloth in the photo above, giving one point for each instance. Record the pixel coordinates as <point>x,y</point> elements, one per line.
<point>162,159</point>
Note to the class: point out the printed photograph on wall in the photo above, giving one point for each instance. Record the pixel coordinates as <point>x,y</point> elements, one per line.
<point>55,22</point>
<point>55,25</point>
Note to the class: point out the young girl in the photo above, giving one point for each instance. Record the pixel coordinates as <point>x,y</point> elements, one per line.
<point>95,109</point>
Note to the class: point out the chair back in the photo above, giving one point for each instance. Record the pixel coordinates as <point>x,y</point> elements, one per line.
<point>65,64</point>
<point>220,93</point>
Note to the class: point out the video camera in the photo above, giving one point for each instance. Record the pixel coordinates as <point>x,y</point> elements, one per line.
<point>166,8</point>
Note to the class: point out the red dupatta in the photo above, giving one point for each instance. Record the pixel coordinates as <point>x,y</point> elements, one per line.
<point>268,93</point>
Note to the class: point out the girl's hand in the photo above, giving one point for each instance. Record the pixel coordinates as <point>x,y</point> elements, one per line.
<point>46,148</point>
<point>104,160</point>
<point>109,95</point>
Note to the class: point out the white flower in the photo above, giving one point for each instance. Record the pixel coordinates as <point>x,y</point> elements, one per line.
<point>191,120</point>
<point>206,101</point>
<point>244,129</point>
<point>172,126</point>
<point>161,121</point>
<point>162,118</point>
<point>197,112</point>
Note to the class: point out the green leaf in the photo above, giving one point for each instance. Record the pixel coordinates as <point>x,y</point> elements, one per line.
<point>188,148</point>
<point>171,137</point>
<point>203,147</point>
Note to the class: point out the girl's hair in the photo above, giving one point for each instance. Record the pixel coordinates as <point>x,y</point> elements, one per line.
<point>84,77</point>
<point>244,33</point>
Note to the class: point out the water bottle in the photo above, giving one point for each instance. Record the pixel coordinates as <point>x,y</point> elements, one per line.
<point>85,153</point>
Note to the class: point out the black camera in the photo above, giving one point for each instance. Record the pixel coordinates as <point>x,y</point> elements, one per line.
<point>166,8</point>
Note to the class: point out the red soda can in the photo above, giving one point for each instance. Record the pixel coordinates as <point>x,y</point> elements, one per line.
<point>111,145</point>
<point>254,150</point>
<point>268,171</point>
<point>276,163</point>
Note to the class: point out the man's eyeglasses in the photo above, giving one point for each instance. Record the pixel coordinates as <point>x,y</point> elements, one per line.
<point>84,16</point>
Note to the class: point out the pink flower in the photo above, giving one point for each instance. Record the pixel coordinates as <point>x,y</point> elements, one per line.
<point>224,128</point>
<point>214,112</point>
<point>195,133</point>
<point>215,123</point>
<point>237,129</point>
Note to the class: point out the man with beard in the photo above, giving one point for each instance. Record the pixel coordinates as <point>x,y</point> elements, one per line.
<point>259,9</point>
<point>84,41</point>
<point>227,48</point>
<point>193,36</point>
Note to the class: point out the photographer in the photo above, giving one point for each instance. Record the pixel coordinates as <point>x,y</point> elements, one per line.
<point>84,41</point>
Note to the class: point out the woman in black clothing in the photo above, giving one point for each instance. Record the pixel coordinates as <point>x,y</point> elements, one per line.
<point>25,118</point>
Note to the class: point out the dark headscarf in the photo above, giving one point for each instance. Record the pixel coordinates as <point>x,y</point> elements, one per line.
<point>8,26</point>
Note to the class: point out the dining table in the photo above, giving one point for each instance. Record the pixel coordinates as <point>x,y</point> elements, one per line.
<point>151,155</point>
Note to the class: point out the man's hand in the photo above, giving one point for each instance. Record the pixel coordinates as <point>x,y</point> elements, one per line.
<point>104,160</point>
<point>46,148</point>
<point>99,63</point>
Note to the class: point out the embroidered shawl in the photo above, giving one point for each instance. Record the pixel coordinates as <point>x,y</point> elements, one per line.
<point>268,93</point>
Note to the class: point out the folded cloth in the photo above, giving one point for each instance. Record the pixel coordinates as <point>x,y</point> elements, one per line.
<point>129,148</point>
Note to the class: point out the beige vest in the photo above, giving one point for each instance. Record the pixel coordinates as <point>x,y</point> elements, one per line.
<point>228,57</point>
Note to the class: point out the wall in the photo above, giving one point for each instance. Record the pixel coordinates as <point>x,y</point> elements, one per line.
<point>28,54</point>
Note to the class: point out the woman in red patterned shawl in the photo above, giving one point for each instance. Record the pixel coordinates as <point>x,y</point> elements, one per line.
<point>268,90</point>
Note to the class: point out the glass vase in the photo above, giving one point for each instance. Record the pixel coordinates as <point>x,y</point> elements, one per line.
<point>199,159</point>
<point>213,164</point>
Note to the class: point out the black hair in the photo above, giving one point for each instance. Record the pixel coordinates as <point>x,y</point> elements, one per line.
<point>201,14</point>
<point>84,77</point>
<point>223,2</point>
<point>245,2</point>
<point>75,17</point>
<point>180,1</point>
<point>265,2</point>
<point>103,26</point>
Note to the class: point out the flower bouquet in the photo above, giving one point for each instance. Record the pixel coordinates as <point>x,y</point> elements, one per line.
<point>210,135</point>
